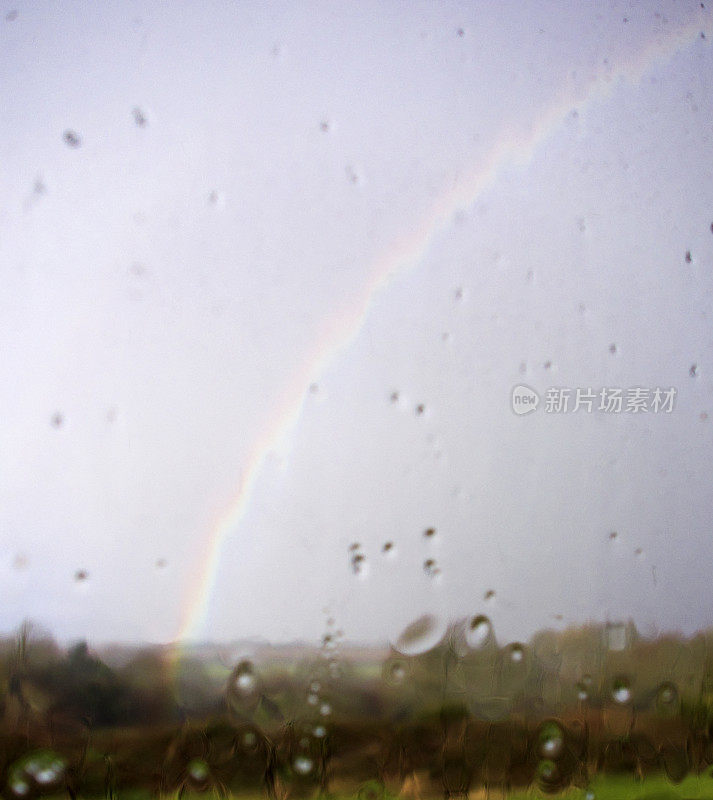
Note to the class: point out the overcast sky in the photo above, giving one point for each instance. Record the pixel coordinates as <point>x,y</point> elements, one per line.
<point>270,273</point>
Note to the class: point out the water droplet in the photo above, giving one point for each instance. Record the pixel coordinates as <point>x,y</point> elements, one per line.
<point>693,371</point>
<point>420,636</point>
<point>621,691</point>
<point>324,126</point>
<point>72,138</point>
<point>420,409</point>
<point>359,565</point>
<point>19,786</point>
<point>198,770</point>
<point>319,731</point>
<point>57,420</point>
<point>547,365</point>
<point>352,175</point>
<point>303,765</point>
<point>479,632</point>
<point>243,687</point>
<point>312,699</point>
<point>388,548</point>
<point>460,32</point>
<point>325,709</point>
<point>688,257</point>
<point>11,16</point>
<point>249,740</point>
<point>161,563</point>
<point>81,575</point>
<point>459,293</point>
<point>582,692</point>
<point>517,652</point>
<point>429,533</point>
<point>394,397</point>
<point>431,568</point>
<point>612,348</point>
<point>551,740</point>
<point>667,697</point>
<point>394,672</point>
<point>489,595</point>
<point>139,117</point>
<point>613,535</point>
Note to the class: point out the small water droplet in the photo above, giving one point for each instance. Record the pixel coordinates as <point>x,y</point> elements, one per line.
<point>160,563</point>
<point>325,709</point>
<point>613,535</point>
<point>57,420</point>
<point>81,575</point>
<point>359,565</point>
<point>431,568</point>
<point>547,365</point>
<point>324,126</point>
<point>420,409</point>
<point>243,689</point>
<point>517,652</point>
<point>489,595</point>
<point>551,740</point>
<point>72,138</point>
<point>479,632</point>
<point>394,397</point>
<point>198,770</point>
<point>621,691</point>
<point>319,731</point>
<point>703,416</point>
<point>312,699</point>
<point>688,257</point>
<point>388,548</point>
<point>139,117</point>
<point>11,16</point>
<point>460,32</point>
<point>429,533</point>
<point>612,348</point>
<point>303,765</point>
<point>582,691</point>
<point>458,294</point>
<point>693,371</point>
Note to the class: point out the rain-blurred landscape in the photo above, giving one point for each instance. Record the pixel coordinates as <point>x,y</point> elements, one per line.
<point>355,399</point>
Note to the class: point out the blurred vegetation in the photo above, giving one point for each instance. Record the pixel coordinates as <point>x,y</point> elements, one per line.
<point>555,714</point>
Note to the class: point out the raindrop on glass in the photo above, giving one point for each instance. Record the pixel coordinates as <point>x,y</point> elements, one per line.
<point>72,138</point>
<point>551,740</point>
<point>621,691</point>
<point>139,117</point>
<point>303,765</point>
<point>478,632</point>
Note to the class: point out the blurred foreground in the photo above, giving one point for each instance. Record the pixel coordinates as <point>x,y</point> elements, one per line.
<point>591,712</point>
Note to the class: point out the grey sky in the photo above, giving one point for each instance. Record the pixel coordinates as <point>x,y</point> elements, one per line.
<point>173,289</point>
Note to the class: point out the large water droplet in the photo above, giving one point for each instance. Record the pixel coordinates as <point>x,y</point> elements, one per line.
<point>420,636</point>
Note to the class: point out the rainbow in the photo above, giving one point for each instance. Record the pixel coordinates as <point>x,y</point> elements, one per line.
<point>514,149</point>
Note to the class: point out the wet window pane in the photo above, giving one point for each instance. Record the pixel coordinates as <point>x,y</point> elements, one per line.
<point>355,383</point>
